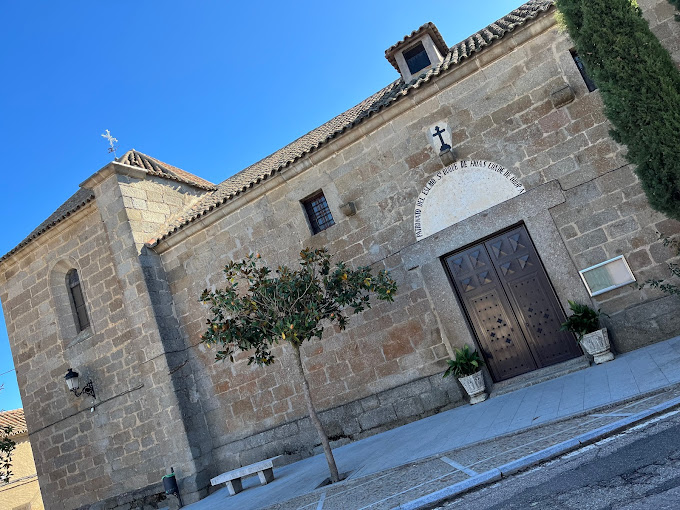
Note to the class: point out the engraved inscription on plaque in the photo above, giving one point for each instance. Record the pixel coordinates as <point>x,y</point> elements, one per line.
<point>459,191</point>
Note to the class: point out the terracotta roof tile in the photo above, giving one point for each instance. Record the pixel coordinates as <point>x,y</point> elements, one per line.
<point>269,166</point>
<point>14,419</point>
<point>310,142</point>
<point>79,199</point>
<point>160,169</point>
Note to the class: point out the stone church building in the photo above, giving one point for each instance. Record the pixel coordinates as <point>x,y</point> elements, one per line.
<point>483,178</point>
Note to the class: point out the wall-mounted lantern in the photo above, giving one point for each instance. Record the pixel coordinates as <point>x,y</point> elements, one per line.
<point>74,384</point>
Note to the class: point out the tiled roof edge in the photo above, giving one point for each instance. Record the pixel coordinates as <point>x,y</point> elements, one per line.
<point>178,179</point>
<point>56,218</point>
<point>158,168</point>
<point>150,165</point>
<point>14,419</point>
<point>393,92</point>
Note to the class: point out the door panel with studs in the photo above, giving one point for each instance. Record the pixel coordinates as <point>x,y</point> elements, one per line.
<point>501,340</point>
<point>511,305</point>
<point>532,298</point>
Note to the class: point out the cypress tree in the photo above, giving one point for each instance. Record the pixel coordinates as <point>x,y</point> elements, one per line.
<point>677,6</point>
<point>640,88</point>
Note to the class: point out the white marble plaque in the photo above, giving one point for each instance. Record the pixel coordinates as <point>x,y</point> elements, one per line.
<point>444,133</point>
<point>459,191</point>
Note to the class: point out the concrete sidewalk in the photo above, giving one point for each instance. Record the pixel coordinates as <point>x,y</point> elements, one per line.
<point>426,456</point>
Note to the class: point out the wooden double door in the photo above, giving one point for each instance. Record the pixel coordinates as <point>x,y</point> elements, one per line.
<point>511,305</point>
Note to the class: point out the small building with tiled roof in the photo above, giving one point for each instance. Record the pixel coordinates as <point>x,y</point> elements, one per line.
<point>22,490</point>
<point>483,178</point>
<point>14,419</point>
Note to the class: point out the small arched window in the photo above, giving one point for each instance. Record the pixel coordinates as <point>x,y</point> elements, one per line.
<point>75,293</point>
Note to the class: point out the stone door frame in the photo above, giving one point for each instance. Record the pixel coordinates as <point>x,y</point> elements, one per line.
<point>531,208</point>
<point>521,300</point>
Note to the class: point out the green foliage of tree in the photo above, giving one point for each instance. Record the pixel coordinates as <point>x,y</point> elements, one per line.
<point>640,88</point>
<point>7,446</point>
<point>670,285</point>
<point>676,3</point>
<point>259,309</point>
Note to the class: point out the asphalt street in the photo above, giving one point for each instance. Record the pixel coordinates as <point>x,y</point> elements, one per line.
<point>638,469</point>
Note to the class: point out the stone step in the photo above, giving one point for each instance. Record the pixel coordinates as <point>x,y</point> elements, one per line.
<point>539,376</point>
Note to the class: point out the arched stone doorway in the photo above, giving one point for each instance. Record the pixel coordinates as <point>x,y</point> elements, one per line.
<point>501,284</point>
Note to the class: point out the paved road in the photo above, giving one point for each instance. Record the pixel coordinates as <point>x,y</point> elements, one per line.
<point>637,470</point>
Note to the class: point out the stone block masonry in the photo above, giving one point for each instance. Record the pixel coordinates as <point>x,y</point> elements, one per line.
<point>163,401</point>
<point>84,456</point>
<point>502,113</point>
<point>609,216</point>
<point>151,203</point>
<point>349,422</point>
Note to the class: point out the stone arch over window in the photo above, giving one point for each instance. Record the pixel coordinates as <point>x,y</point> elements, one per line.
<point>70,303</point>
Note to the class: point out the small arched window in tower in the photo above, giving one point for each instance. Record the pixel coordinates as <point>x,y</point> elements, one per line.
<point>75,292</point>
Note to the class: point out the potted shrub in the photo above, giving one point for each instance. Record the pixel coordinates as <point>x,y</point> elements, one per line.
<point>585,324</point>
<point>466,366</point>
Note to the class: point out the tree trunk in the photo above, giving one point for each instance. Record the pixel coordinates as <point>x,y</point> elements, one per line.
<point>315,419</point>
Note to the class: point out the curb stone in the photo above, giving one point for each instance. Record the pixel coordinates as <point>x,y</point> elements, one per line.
<point>493,475</point>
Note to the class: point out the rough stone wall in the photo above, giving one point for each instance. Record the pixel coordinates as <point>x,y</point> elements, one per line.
<point>67,440</point>
<point>151,201</point>
<point>500,107</point>
<point>136,430</point>
<point>609,216</point>
<point>161,399</point>
<point>346,423</point>
<point>149,312</point>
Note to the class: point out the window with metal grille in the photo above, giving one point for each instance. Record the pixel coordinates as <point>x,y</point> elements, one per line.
<point>416,58</point>
<point>318,213</point>
<point>582,69</point>
<point>75,292</point>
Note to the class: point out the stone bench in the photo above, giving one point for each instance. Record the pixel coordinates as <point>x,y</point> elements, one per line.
<point>264,469</point>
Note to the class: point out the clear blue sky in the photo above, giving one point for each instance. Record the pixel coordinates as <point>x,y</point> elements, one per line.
<point>209,86</point>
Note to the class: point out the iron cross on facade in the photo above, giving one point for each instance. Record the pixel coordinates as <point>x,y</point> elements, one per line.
<point>438,132</point>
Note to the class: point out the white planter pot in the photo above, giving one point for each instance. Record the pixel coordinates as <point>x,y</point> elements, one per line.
<point>597,345</point>
<point>474,385</point>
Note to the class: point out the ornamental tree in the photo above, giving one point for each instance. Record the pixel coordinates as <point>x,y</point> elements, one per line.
<point>7,446</point>
<point>259,308</point>
<point>640,88</point>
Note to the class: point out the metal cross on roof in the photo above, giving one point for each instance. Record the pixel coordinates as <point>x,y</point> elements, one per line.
<point>112,141</point>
